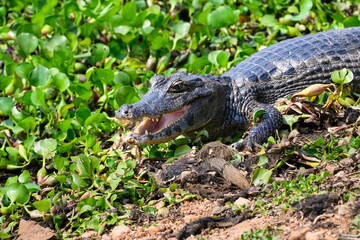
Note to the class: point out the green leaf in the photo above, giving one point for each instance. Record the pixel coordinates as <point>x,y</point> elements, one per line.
<point>181,29</point>
<point>100,51</point>
<point>258,114</point>
<point>59,162</point>
<point>290,120</point>
<point>351,22</point>
<point>305,7</point>
<point>82,114</point>
<point>223,58</point>
<point>129,10</point>
<point>106,76</point>
<point>269,20</point>
<point>27,43</point>
<point>61,81</point>
<point>182,150</point>
<point>6,105</point>
<point>45,146</point>
<point>78,181</point>
<point>123,30</point>
<point>32,187</point>
<point>124,95</point>
<point>38,97</point>
<point>24,69</point>
<point>261,176</point>
<point>224,16</point>
<point>219,58</point>
<point>42,205</point>
<point>17,192</point>
<point>24,177</point>
<point>122,77</point>
<point>39,77</point>
<point>263,160</point>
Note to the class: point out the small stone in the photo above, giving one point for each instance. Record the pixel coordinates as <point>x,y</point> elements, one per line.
<point>153,230</point>
<point>311,236</point>
<point>162,227</point>
<point>189,218</point>
<point>344,210</point>
<point>89,234</point>
<point>120,232</point>
<point>298,234</point>
<point>105,237</point>
<point>241,202</point>
<point>346,162</point>
<point>217,210</point>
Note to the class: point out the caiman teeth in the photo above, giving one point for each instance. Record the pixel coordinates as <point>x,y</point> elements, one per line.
<point>146,132</point>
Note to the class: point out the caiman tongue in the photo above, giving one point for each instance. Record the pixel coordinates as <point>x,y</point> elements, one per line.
<point>152,125</point>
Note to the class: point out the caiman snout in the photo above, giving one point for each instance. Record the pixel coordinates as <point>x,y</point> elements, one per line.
<point>124,111</point>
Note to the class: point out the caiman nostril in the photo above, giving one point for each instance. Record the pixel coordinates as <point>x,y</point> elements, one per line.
<point>124,111</point>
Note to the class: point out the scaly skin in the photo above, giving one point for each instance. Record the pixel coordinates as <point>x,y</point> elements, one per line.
<point>226,104</point>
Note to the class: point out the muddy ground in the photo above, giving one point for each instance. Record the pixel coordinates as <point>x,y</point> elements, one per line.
<point>220,184</point>
<point>226,205</point>
<point>221,202</point>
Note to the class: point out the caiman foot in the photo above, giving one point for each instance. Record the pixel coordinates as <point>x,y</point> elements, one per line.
<point>240,146</point>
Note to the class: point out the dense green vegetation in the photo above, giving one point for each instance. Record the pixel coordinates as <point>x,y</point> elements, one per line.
<point>66,66</point>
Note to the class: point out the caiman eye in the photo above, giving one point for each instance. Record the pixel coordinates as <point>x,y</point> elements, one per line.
<point>178,86</point>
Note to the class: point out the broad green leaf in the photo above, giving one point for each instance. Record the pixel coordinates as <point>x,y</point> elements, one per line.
<point>129,10</point>
<point>82,114</point>
<point>122,77</point>
<point>351,22</point>
<point>24,69</point>
<point>59,162</point>
<point>61,81</point>
<point>100,51</point>
<point>38,97</point>
<point>261,176</point>
<point>124,95</point>
<point>27,43</point>
<point>32,187</point>
<point>263,160</point>
<point>222,17</point>
<point>182,150</point>
<point>106,76</point>
<point>24,177</point>
<point>94,120</point>
<point>29,28</point>
<point>290,120</point>
<point>39,77</point>
<point>5,81</point>
<point>269,20</point>
<point>180,28</point>
<point>123,30</point>
<point>17,192</point>
<point>45,146</point>
<point>223,58</point>
<point>6,104</point>
<point>42,205</point>
<point>258,114</point>
<point>305,7</point>
<point>78,181</point>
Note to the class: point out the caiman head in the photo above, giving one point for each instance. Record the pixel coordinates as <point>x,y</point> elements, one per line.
<point>175,105</point>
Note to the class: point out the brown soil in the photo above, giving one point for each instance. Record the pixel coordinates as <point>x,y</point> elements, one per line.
<point>218,183</point>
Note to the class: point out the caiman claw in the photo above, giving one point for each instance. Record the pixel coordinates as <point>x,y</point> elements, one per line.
<point>240,146</point>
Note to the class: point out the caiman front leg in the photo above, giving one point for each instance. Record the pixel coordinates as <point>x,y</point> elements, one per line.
<point>266,126</point>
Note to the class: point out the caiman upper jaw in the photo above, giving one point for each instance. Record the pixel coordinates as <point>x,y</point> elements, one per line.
<point>151,130</point>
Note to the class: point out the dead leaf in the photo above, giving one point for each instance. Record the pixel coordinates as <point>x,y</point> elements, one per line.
<point>312,91</point>
<point>29,230</point>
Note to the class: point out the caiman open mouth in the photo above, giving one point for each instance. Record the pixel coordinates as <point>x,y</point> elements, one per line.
<point>154,125</point>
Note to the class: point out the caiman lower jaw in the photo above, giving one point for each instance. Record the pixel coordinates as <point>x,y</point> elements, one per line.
<point>147,130</point>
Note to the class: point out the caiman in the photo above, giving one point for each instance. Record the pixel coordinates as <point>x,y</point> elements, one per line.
<point>184,104</point>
